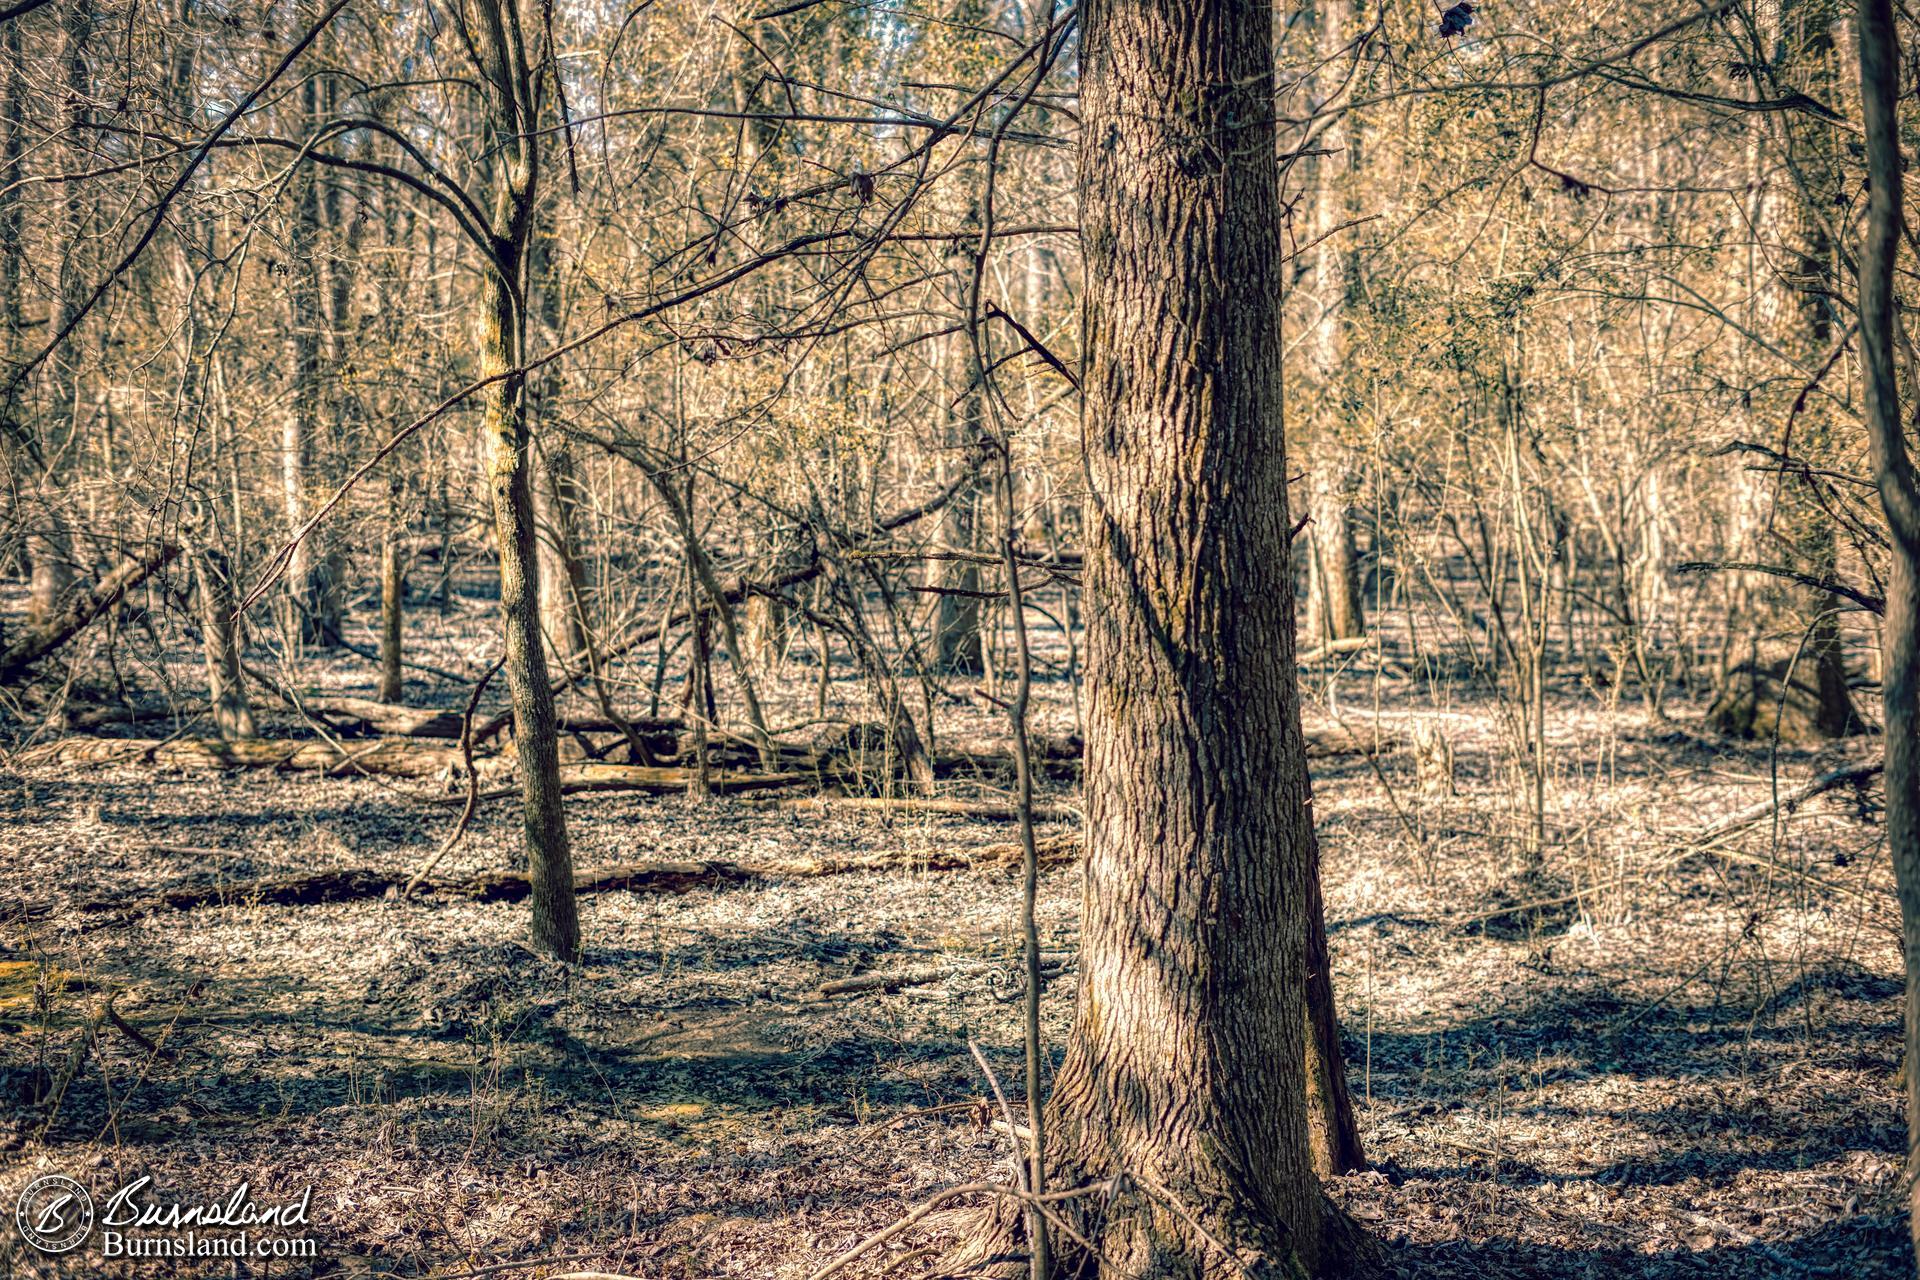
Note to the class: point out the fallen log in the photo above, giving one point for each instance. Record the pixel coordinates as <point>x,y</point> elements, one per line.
<point>1052,849</point>
<point>287,891</point>
<point>1333,649</point>
<point>1059,758</point>
<point>1327,744</point>
<point>990,811</point>
<point>1051,966</point>
<point>887,982</point>
<point>632,877</point>
<point>386,718</point>
<point>389,757</point>
<point>398,757</point>
<point>594,776</point>
<point>591,776</point>
<point>70,620</point>
<point>103,717</point>
<point>360,883</point>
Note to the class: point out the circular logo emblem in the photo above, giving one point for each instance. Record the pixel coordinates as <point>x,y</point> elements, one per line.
<point>55,1213</point>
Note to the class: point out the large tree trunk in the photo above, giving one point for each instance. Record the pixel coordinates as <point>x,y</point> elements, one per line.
<point>1900,499</point>
<point>510,104</point>
<point>1187,1074</point>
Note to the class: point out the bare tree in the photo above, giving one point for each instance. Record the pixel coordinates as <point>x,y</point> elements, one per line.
<point>1186,1078</point>
<point>1899,486</point>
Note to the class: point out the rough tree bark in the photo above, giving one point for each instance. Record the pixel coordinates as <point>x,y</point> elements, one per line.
<point>219,644</point>
<point>558,501</point>
<point>1900,498</point>
<point>1187,1074</point>
<point>13,99</point>
<point>1334,610</point>
<point>508,79</point>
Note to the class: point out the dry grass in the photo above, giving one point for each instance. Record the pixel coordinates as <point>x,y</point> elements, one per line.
<point>1684,1064</point>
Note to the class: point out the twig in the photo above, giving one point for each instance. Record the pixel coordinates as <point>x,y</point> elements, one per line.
<point>473,782</point>
<point>879,1238</point>
<point>927,1208</point>
<point>498,1267</point>
<point>127,1029</point>
<point>1006,1112</point>
<point>72,1068</point>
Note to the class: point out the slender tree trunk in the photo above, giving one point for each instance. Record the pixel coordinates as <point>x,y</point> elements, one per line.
<point>226,687</point>
<point>556,928</point>
<point>12,244</point>
<point>511,124</point>
<point>299,425</point>
<point>1187,1074</point>
<point>957,616</point>
<point>48,546</point>
<point>393,602</point>
<point>957,642</point>
<point>1334,611</point>
<point>563,575</point>
<point>765,631</point>
<point>1899,487</point>
<point>699,692</point>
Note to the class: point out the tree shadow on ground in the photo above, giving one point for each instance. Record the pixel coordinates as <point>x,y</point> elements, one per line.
<point>1590,1028</point>
<point>1863,1247</point>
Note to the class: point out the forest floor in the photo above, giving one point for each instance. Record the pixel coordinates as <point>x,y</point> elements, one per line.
<point>1649,1056</point>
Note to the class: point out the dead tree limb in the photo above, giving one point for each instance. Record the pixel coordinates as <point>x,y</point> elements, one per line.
<point>1786,801</point>
<point>80,611</point>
